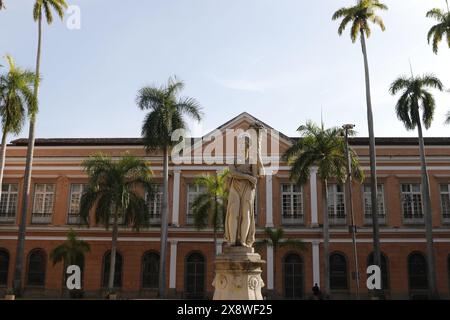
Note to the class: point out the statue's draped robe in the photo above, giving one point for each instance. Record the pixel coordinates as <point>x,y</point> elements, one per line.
<point>240,219</point>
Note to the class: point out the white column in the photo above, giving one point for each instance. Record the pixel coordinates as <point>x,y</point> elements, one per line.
<point>269,268</point>
<point>173,264</point>
<point>176,197</point>
<point>269,199</point>
<point>313,187</point>
<point>219,246</point>
<point>316,262</point>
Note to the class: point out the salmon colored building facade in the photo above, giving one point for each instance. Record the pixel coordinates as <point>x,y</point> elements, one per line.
<point>57,183</point>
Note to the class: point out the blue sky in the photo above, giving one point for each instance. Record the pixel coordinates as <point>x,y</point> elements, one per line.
<point>280,60</point>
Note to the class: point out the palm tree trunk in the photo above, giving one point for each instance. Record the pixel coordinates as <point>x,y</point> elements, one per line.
<point>164,231</point>
<point>326,237</point>
<point>2,161</point>
<point>27,178</point>
<point>112,264</point>
<point>215,223</point>
<point>428,215</point>
<point>274,248</point>
<point>373,163</point>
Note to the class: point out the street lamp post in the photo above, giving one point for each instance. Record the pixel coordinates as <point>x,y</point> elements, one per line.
<point>348,127</point>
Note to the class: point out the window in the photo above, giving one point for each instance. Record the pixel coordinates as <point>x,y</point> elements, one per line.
<point>36,268</point>
<point>4,265</point>
<point>43,203</point>
<point>417,271</point>
<point>338,272</point>
<point>76,191</point>
<point>445,202</point>
<point>195,276</point>
<point>150,270</point>
<point>155,204</point>
<point>412,203</point>
<point>368,204</point>
<point>384,270</point>
<point>117,270</point>
<point>192,193</point>
<point>291,204</point>
<point>293,276</point>
<point>336,204</point>
<point>8,203</point>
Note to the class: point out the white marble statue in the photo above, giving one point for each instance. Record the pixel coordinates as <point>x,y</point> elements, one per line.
<point>240,217</point>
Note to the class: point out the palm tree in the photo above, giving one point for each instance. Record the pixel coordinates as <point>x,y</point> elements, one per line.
<point>166,115</point>
<point>326,150</point>
<point>41,8</point>
<point>16,100</point>
<point>114,189</point>
<point>71,252</point>
<point>275,239</point>
<point>415,98</point>
<point>361,15</point>
<point>440,30</point>
<point>210,206</point>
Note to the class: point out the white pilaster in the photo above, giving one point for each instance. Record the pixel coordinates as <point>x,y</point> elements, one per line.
<point>269,267</point>
<point>269,198</point>
<point>173,264</point>
<point>313,187</point>
<point>316,262</point>
<point>219,246</point>
<point>176,197</point>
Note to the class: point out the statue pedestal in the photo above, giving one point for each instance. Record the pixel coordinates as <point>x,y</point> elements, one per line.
<point>238,275</point>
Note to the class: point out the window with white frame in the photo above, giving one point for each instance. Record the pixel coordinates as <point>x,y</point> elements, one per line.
<point>291,203</point>
<point>44,196</point>
<point>76,191</point>
<point>8,202</point>
<point>412,201</point>
<point>445,201</point>
<point>193,191</point>
<point>336,203</point>
<point>368,202</point>
<point>154,203</point>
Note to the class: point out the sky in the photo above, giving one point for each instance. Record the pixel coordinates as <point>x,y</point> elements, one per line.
<point>279,60</point>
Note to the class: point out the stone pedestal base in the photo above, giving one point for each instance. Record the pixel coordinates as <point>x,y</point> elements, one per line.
<point>238,275</point>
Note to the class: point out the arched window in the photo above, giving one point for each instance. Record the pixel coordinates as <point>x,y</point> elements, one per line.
<point>36,268</point>
<point>448,270</point>
<point>4,265</point>
<point>338,272</point>
<point>384,270</point>
<point>195,276</point>
<point>417,271</point>
<point>293,276</point>
<point>150,270</point>
<point>117,270</point>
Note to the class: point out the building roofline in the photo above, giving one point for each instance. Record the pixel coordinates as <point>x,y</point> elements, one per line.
<point>355,141</point>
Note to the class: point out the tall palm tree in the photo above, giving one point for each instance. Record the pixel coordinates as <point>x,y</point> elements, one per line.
<point>114,189</point>
<point>167,114</point>
<point>41,8</point>
<point>326,150</point>
<point>440,30</point>
<point>414,99</point>
<point>361,15</point>
<point>71,252</point>
<point>210,206</point>
<point>16,100</point>
<point>275,239</point>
